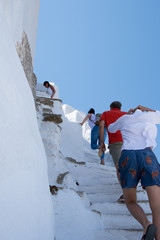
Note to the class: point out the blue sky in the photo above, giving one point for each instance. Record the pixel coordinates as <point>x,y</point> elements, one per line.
<point>98,51</point>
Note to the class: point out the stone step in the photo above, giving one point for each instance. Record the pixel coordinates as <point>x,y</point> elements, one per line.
<point>104,188</point>
<point>89,171</point>
<point>101,169</point>
<point>91,159</point>
<point>101,188</point>
<point>105,197</point>
<point>96,160</point>
<point>98,166</point>
<point>121,222</point>
<point>119,234</point>
<point>106,235</point>
<point>116,208</point>
<point>97,181</point>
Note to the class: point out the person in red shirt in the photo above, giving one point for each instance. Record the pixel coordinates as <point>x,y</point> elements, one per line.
<point>115,139</point>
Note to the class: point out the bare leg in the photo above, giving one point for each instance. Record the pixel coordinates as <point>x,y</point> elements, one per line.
<point>132,205</point>
<point>154,200</point>
<point>118,174</point>
<point>115,151</point>
<point>121,198</point>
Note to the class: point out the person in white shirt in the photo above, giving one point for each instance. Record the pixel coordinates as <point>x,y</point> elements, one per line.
<point>50,89</point>
<point>138,162</point>
<point>95,140</point>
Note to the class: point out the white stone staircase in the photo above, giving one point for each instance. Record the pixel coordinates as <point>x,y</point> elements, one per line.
<point>103,189</point>
<point>97,181</point>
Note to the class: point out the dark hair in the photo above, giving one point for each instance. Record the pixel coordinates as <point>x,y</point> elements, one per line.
<point>116,104</point>
<point>91,111</point>
<point>46,82</point>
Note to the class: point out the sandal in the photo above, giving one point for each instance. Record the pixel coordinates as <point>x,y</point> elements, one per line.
<point>102,162</point>
<point>150,233</point>
<point>100,153</point>
<point>121,199</point>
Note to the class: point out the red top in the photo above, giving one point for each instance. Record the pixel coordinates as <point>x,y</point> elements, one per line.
<point>110,117</point>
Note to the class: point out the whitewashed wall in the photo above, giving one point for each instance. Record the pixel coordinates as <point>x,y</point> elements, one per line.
<point>22,15</point>
<point>26,210</point>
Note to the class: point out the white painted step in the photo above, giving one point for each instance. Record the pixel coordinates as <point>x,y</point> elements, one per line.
<point>105,197</point>
<point>117,208</point>
<point>126,234</point>
<point>101,188</point>
<point>104,188</point>
<point>116,222</point>
<point>94,169</point>
<point>104,235</point>
<point>97,180</point>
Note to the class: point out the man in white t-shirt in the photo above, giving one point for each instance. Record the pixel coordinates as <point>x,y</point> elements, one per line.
<point>138,162</point>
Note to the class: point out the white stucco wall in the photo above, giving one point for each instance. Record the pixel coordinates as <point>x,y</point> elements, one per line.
<point>26,210</point>
<point>22,15</point>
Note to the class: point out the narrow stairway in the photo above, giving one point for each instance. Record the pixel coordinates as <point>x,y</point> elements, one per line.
<point>103,189</point>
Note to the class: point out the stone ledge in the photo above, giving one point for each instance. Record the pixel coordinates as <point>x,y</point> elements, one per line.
<point>61,177</point>
<point>47,110</point>
<point>72,160</point>
<point>47,101</point>
<point>55,118</point>
<point>57,99</point>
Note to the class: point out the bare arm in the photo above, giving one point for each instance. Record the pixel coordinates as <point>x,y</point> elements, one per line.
<point>85,119</point>
<point>141,108</point>
<point>53,90</point>
<point>101,135</point>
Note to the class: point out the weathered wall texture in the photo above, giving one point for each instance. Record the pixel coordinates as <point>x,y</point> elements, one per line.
<point>26,208</point>
<point>25,55</point>
<point>22,17</point>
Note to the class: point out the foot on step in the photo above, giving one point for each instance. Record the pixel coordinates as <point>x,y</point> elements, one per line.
<point>121,199</point>
<point>102,162</point>
<point>100,153</point>
<point>150,233</point>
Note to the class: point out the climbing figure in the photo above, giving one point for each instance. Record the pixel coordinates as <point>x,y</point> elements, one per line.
<point>139,132</point>
<point>93,121</point>
<point>115,140</point>
<point>50,89</point>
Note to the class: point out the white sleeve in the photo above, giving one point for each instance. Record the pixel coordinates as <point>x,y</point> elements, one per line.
<point>153,117</point>
<point>118,124</point>
<point>113,127</point>
<point>157,117</point>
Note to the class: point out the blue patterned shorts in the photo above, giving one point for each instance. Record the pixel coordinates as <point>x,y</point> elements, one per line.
<point>135,165</point>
